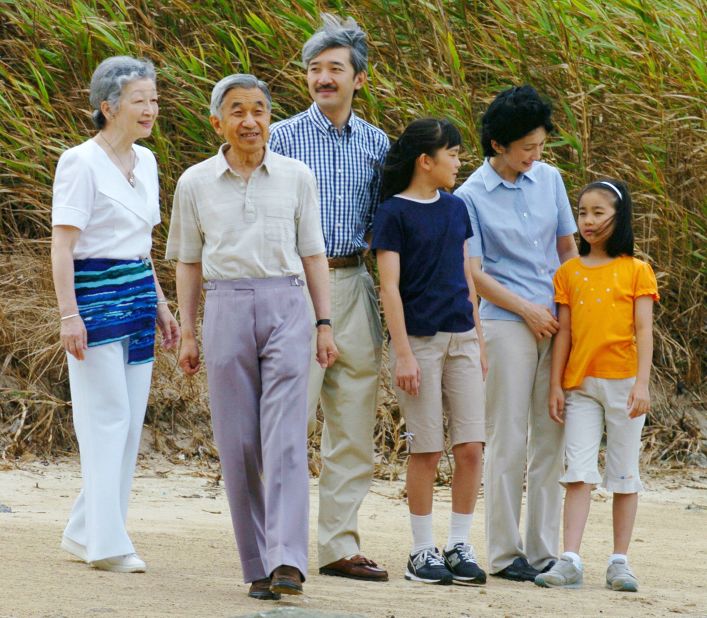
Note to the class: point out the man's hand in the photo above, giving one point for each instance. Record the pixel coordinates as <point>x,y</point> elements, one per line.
<point>189,355</point>
<point>557,404</point>
<point>327,352</point>
<point>539,320</point>
<point>408,374</point>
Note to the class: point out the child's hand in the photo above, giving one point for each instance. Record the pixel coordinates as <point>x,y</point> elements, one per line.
<point>408,375</point>
<point>639,400</point>
<point>483,358</point>
<point>557,404</point>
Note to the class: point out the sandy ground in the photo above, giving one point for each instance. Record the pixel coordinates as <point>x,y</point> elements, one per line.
<point>180,525</point>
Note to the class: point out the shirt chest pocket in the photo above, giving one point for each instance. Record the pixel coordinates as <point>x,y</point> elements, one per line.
<point>280,220</point>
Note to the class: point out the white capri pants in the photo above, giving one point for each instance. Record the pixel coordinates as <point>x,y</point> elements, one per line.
<point>596,402</point>
<point>109,398</point>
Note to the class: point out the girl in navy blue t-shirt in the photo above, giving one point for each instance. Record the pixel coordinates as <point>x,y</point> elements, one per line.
<point>438,359</point>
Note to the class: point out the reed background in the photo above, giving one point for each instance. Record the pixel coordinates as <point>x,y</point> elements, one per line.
<point>627,78</point>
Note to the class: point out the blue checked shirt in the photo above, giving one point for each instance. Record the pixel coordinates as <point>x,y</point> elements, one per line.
<point>347,167</point>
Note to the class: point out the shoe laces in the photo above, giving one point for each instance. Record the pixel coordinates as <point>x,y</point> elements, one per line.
<point>466,552</point>
<point>430,557</point>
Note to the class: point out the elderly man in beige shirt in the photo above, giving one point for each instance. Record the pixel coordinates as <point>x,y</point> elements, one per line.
<point>245,223</point>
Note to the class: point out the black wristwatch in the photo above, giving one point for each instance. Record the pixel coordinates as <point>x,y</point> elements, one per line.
<point>323,322</point>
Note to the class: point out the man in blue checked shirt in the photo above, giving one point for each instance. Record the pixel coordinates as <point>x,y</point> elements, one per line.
<point>345,153</point>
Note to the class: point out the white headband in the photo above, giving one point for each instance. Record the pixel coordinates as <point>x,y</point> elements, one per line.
<point>612,187</point>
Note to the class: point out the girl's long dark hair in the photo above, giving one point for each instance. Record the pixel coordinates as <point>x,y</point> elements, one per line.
<point>423,136</point>
<point>621,240</point>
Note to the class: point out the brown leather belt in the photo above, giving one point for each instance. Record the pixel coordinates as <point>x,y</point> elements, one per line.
<point>345,261</point>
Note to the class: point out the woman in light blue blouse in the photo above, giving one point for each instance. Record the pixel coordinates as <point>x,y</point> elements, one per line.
<point>523,229</point>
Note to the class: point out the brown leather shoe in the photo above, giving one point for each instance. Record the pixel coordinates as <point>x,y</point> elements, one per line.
<point>286,580</point>
<point>356,567</point>
<point>260,589</point>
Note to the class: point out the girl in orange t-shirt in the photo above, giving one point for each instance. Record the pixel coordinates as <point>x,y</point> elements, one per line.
<point>601,357</point>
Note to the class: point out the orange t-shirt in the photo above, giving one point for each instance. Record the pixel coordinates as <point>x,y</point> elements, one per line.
<point>601,302</point>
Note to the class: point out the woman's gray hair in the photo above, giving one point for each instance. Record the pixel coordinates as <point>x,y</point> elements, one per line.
<point>337,32</point>
<point>237,80</point>
<point>110,77</point>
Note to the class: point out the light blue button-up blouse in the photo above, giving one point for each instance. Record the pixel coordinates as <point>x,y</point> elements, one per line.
<point>516,226</point>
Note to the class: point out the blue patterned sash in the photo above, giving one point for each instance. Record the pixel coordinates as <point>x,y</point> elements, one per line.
<point>117,299</point>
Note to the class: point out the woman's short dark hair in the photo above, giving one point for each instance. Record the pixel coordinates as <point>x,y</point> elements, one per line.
<point>513,114</point>
<point>621,240</point>
<point>423,136</point>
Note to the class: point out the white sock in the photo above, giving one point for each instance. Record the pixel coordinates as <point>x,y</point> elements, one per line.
<point>576,560</point>
<point>422,537</point>
<point>459,527</point>
<point>623,557</point>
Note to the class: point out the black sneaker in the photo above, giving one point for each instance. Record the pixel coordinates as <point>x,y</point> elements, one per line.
<point>461,561</point>
<point>518,571</point>
<point>428,567</point>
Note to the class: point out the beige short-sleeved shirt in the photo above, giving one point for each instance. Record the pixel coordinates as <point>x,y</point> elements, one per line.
<point>238,229</point>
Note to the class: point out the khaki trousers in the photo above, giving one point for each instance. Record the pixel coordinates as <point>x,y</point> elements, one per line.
<point>519,433</point>
<point>347,392</point>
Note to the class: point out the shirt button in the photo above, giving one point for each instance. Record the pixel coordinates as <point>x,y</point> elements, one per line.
<point>535,242</point>
<point>339,197</point>
<point>339,171</point>
<point>525,214</point>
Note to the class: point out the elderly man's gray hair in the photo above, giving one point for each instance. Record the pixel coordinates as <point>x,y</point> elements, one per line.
<point>338,33</point>
<point>110,77</point>
<point>238,80</point>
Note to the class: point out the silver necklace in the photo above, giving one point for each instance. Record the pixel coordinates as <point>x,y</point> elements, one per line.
<point>129,171</point>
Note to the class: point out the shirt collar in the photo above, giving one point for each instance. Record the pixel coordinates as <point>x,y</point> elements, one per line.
<point>222,165</point>
<point>492,179</point>
<point>325,125</point>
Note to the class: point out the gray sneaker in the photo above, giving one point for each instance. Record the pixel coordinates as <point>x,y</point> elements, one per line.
<point>619,576</point>
<point>563,574</point>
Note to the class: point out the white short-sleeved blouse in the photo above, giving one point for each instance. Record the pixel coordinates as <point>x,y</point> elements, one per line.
<point>92,194</point>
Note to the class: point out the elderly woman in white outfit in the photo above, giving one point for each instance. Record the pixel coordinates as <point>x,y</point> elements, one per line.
<point>105,204</point>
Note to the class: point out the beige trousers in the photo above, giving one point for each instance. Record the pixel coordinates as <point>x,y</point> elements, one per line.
<point>347,392</point>
<point>520,433</point>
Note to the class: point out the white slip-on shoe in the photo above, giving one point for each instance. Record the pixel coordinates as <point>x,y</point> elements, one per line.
<point>75,549</point>
<point>129,563</point>
<point>563,574</point>
<point>619,576</point>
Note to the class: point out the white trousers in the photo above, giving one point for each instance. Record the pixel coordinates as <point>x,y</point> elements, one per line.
<point>109,398</point>
<point>520,434</point>
<point>598,402</point>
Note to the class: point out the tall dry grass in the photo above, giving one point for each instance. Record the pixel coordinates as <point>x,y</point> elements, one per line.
<point>628,79</point>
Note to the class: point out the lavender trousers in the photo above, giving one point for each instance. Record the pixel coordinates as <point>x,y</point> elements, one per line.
<point>256,337</point>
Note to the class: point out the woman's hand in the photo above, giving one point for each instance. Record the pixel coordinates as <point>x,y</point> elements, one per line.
<point>408,375</point>
<point>327,352</point>
<point>639,400</point>
<point>557,404</point>
<point>539,320</point>
<point>73,337</point>
<point>169,328</point>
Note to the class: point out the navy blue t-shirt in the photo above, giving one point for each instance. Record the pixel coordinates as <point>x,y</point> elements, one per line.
<point>429,237</point>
